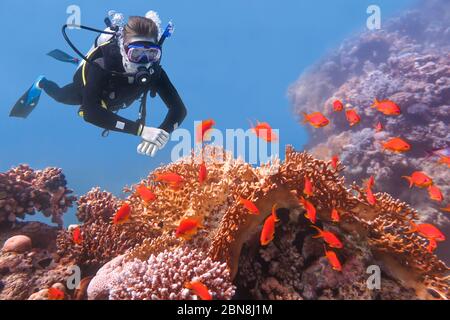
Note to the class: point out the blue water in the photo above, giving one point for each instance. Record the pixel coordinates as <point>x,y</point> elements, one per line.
<point>230,60</point>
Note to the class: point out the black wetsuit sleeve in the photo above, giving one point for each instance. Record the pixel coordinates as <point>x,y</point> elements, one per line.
<point>95,113</point>
<point>169,95</point>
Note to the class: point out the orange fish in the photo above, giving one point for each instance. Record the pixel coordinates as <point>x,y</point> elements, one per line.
<point>432,245</point>
<point>188,228</point>
<point>145,193</point>
<point>435,193</point>
<point>199,289</point>
<point>338,105</point>
<point>250,206</point>
<point>352,117</point>
<point>334,162</point>
<point>309,189</point>
<point>378,127</point>
<point>370,182</point>
<point>333,260</point>
<point>335,215</point>
<point>123,214</point>
<point>76,235</point>
<point>203,129</point>
<point>268,231</point>
<point>55,294</point>
<point>446,209</point>
<point>387,107</point>
<point>173,179</point>
<point>202,173</point>
<point>370,197</point>
<point>329,238</point>
<point>264,131</point>
<point>444,160</point>
<point>316,119</point>
<point>310,209</point>
<point>396,145</point>
<point>419,179</point>
<point>427,230</point>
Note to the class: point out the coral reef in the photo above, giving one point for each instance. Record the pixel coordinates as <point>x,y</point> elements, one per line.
<point>102,241</point>
<point>26,273</point>
<point>408,62</point>
<point>144,259</point>
<point>24,191</point>
<point>373,235</point>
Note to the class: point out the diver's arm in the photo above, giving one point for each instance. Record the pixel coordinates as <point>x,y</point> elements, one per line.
<point>177,111</point>
<point>94,113</point>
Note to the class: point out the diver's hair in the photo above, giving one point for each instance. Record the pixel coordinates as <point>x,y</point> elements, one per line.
<point>141,27</point>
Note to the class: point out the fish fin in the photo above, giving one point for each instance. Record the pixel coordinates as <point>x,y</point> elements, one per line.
<point>409,179</point>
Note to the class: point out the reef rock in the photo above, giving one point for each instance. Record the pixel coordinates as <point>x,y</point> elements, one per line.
<point>18,244</point>
<point>407,61</point>
<point>23,274</point>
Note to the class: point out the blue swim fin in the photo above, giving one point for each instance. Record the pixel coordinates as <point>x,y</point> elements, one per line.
<point>26,104</point>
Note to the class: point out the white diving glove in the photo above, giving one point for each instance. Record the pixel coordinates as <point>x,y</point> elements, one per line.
<point>154,139</point>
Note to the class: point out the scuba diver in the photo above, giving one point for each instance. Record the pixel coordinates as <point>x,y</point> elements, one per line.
<point>123,67</point>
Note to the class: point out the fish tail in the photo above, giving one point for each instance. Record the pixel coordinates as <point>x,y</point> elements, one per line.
<point>325,249</point>
<point>274,212</point>
<point>318,230</point>
<point>413,227</point>
<point>409,179</point>
<point>305,117</point>
<point>375,103</point>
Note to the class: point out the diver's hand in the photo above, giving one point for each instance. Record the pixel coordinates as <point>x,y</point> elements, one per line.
<point>147,148</point>
<point>156,136</point>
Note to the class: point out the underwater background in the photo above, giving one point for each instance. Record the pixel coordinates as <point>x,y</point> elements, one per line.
<point>230,60</point>
<point>310,224</point>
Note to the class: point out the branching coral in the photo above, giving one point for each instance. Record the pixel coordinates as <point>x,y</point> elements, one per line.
<point>164,276</point>
<point>25,191</point>
<point>101,240</point>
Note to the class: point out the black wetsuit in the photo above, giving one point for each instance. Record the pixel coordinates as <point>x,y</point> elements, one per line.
<point>100,94</point>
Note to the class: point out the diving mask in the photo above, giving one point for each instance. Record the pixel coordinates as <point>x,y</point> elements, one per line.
<point>143,53</point>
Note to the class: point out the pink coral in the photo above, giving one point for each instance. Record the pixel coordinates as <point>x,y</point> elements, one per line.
<point>164,276</point>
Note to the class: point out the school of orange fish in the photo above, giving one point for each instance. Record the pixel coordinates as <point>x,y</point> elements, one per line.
<point>395,144</point>
<point>189,227</point>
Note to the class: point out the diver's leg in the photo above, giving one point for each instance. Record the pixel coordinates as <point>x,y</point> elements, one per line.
<point>69,94</point>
